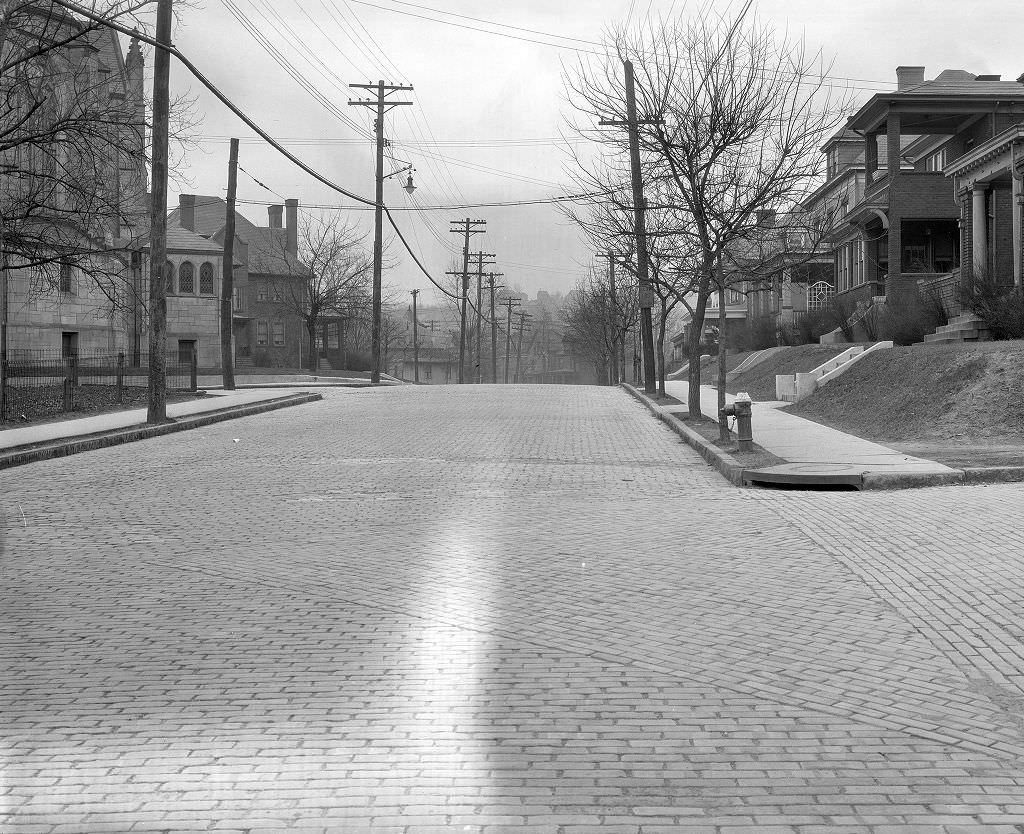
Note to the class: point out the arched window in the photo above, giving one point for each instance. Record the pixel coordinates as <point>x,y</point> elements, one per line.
<point>186,278</point>
<point>206,279</point>
<point>169,277</point>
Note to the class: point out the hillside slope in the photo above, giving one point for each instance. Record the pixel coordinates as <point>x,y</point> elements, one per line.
<point>939,394</point>
<point>759,381</point>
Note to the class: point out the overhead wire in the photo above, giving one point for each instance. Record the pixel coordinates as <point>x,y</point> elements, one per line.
<point>252,125</point>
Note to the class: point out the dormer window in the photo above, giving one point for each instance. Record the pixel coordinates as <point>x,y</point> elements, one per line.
<point>936,161</point>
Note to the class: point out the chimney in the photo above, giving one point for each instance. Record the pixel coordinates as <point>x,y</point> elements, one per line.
<point>187,211</point>
<point>274,214</point>
<point>1020,79</point>
<point>292,225</point>
<point>907,77</point>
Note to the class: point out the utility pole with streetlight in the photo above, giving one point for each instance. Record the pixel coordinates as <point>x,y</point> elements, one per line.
<point>646,292</point>
<point>381,104</point>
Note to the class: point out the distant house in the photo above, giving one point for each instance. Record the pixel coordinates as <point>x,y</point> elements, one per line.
<point>910,229</point>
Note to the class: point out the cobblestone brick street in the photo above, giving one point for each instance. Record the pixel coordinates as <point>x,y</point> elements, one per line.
<point>479,609</point>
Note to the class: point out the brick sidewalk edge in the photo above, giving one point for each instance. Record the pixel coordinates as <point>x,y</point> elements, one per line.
<point>20,455</point>
<point>733,469</point>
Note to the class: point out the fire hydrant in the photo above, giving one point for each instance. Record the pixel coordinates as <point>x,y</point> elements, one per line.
<point>740,409</point>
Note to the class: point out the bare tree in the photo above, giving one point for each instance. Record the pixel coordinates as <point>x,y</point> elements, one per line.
<point>735,119</point>
<point>329,276</point>
<point>73,144</point>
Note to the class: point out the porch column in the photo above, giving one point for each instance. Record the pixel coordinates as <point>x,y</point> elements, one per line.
<point>870,157</point>
<point>892,135</point>
<point>979,230</point>
<point>1018,218</point>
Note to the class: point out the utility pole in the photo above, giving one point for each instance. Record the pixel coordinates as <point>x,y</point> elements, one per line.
<point>646,292</point>
<point>494,328</point>
<point>479,309</point>
<point>3,324</point>
<point>157,395</point>
<point>468,227</point>
<point>523,316</point>
<point>382,104</point>
<point>227,283</point>
<point>509,302</point>
<point>415,340</point>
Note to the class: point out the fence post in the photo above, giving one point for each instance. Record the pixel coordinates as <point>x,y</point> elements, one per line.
<point>194,370</point>
<point>120,377</point>
<point>69,384</point>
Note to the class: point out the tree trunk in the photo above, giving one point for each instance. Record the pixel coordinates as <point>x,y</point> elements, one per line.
<point>662,321</point>
<point>693,347</point>
<point>723,424</point>
<point>311,332</point>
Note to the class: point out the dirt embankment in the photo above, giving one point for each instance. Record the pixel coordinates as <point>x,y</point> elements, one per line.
<point>962,404</point>
<point>759,381</point>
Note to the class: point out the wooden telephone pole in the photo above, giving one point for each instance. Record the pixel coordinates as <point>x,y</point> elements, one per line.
<point>227,285</point>
<point>415,340</point>
<point>494,327</point>
<point>382,104</point>
<point>466,228</point>
<point>510,302</point>
<point>157,395</point>
<point>646,292</point>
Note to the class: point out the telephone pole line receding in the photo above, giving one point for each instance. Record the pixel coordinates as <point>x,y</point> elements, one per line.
<point>494,328</point>
<point>382,104</point>
<point>466,228</point>
<point>480,310</point>
<point>646,292</point>
<point>510,302</point>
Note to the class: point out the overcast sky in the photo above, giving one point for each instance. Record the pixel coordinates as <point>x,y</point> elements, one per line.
<point>489,108</point>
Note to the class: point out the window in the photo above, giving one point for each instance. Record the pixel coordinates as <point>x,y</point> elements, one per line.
<point>236,293</point>
<point>169,277</point>
<point>206,279</point>
<point>278,330</point>
<point>936,162</point>
<point>261,292</point>
<point>67,279</point>
<point>262,333</point>
<point>426,371</point>
<point>819,294</point>
<point>187,278</point>
<point>332,336</point>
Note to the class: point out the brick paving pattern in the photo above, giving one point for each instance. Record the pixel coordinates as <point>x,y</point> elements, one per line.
<point>499,610</point>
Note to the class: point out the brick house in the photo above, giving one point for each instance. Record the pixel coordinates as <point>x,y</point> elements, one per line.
<point>908,228</point>
<point>269,283</point>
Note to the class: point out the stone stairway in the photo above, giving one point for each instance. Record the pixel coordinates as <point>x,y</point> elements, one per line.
<point>965,328</point>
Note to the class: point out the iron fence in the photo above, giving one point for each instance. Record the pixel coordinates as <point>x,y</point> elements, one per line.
<point>38,383</point>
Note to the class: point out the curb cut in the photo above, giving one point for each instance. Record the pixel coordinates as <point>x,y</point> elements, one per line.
<point>730,468</point>
<point>20,455</point>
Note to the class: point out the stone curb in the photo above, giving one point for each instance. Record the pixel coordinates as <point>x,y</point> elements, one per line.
<point>20,455</point>
<point>731,469</point>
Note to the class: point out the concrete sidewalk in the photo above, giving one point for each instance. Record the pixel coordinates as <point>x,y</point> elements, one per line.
<point>817,453</point>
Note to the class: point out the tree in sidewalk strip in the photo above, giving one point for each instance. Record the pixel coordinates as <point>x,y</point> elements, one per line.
<point>735,119</point>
